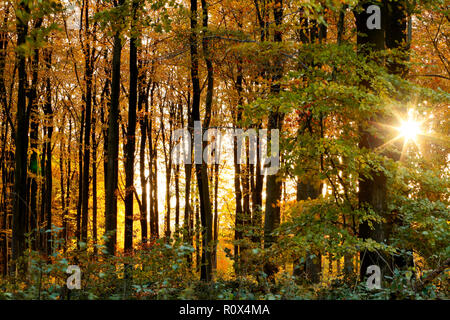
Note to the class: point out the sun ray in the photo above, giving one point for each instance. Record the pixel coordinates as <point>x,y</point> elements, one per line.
<point>409,129</point>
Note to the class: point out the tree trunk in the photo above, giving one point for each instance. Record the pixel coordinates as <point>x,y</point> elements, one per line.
<point>94,188</point>
<point>372,191</point>
<point>216,214</point>
<point>113,147</point>
<point>86,154</point>
<point>273,183</point>
<point>143,123</point>
<point>80,178</point>
<point>188,225</point>
<point>131,135</point>
<point>48,166</point>
<point>22,123</point>
<point>239,214</point>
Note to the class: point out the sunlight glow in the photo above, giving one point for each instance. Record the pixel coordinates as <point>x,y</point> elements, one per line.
<point>410,129</point>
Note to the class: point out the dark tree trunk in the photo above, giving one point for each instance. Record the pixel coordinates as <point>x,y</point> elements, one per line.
<point>62,187</point>
<point>197,235</point>
<point>4,158</point>
<point>177,198</point>
<point>87,148</point>
<point>372,191</point>
<point>33,165</point>
<point>130,145</point>
<point>167,148</point>
<point>201,168</point>
<point>262,13</point>
<point>94,139</point>
<point>205,206</point>
<point>188,214</point>
<point>273,183</point>
<point>48,166</point>
<point>257,198</point>
<point>113,147</point>
<point>22,126</point>
<point>68,178</point>
<point>105,102</point>
<point>152,146</point>
<point>80,178</point>
<point>143,123</point>
<point>396,38</point>
<point>94,187</point>
<point>239,219</point>
<point>239,214</point>
<point>216,214</point>
<point>179,121</point>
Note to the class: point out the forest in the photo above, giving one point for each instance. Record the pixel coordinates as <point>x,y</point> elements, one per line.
<point>224,149</point>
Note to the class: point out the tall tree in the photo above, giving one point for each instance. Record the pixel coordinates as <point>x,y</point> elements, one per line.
<point>143,124</point>
<point>113,141</point>
<point>372,189</point>
<point>22,126</point>
<point>48,111</point>
<point>33,111</point>
<point>130,145</point>
<point>89,52</point>
<point>273,183</point>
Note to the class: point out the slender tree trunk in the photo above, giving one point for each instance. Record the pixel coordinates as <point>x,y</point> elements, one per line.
<point>4,103</point>
<point>33,166</point>
<point>48,167</point>
<point>4,163</point>
<point>80,178</point>
<point>152,146</point>
<point>131,133</point>
<point>167,146</point>
<point>216,214</point>
<point>68,179</point>
<point>188,225</point>
<point>143,123</point>
<point>105,103</point>
<point>262,18</point>
<point>179,120</point>
<point>177,198</point>
<point>62,187</point>
<point>273,183</point>
<point>86,154</point>
<point>197,235</point>
<point>22,126</point>
<point>113,146</point>
<point>201,168</point>
<point>94,189</point>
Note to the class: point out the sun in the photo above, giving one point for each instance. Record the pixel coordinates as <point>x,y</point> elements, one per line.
<point>410,129</point>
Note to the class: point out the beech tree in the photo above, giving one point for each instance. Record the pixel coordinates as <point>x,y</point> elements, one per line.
<point>93,97</point>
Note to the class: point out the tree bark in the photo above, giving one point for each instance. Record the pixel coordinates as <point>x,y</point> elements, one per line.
<point>113,146</point>
<point>143,123</point>
<point>48,166</point>
<point>372,191</point>
<point>273,183</point>
<point>130,145</point>
<point>22,126</point>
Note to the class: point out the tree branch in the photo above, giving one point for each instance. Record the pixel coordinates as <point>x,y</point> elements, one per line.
<point>432,275</point>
